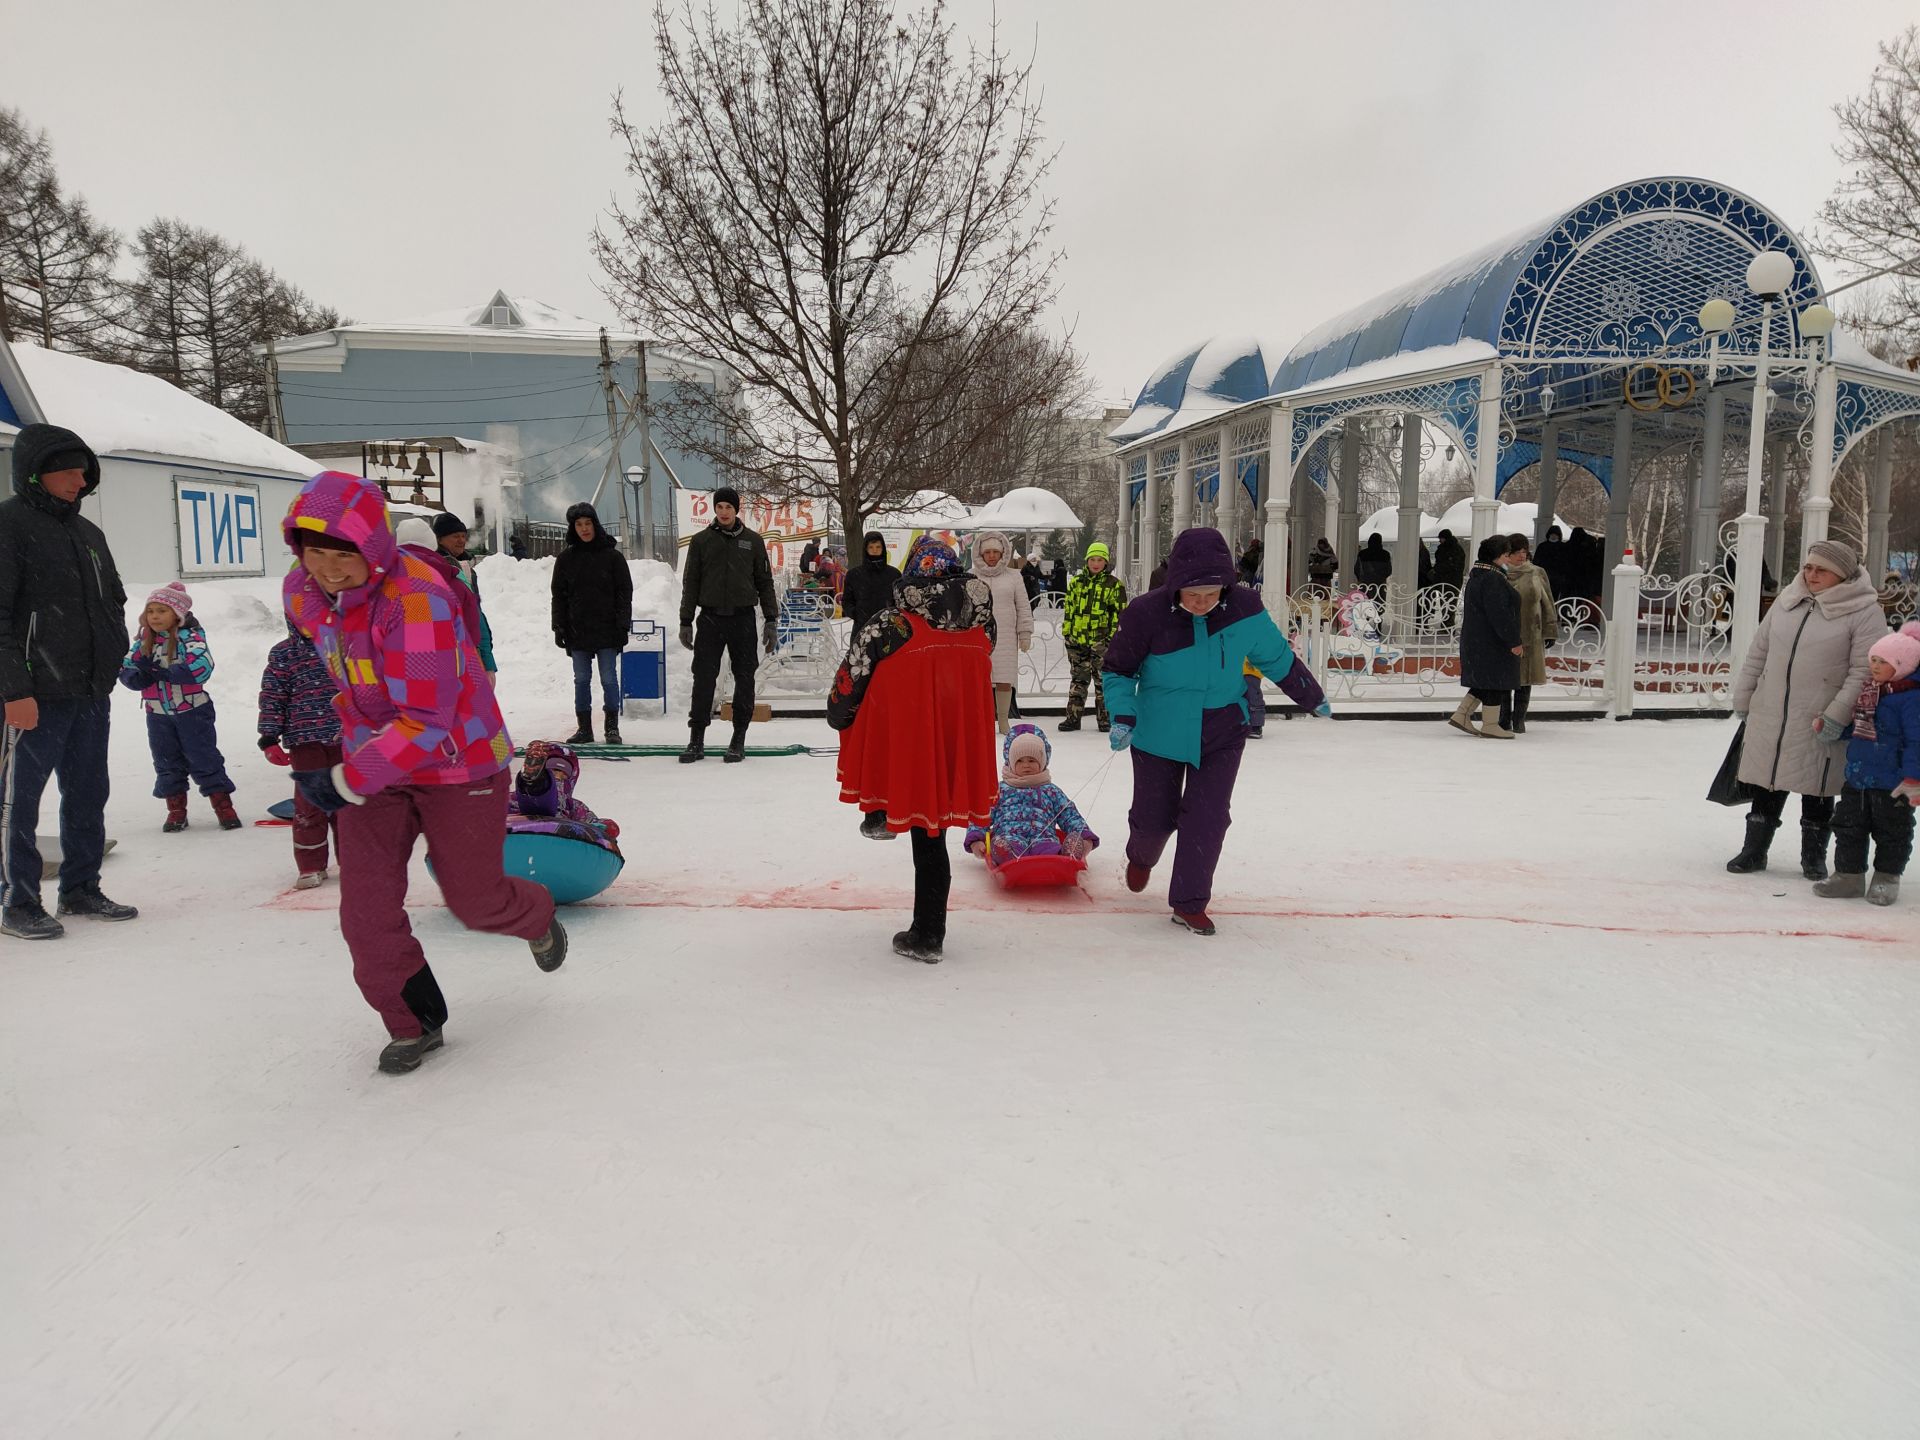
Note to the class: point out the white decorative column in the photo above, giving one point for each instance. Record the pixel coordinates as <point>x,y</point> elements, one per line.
<point>1275,539</point>
<point>1879,505</point>
<point>1549,480</point>
<point>1750,544</point>
<point>1620,497</point>
<point>1623,598</point>
<point>1689,503</point>
<point>1347,542</point>
<point>1776,479</point>
<point>1149,555</point>
<point>1226,495</point>
<point>1704,523</point>
<point>1123,540</point>
<point>1486,464</point>
<point>1406,549</point>
<point>1183,483</point>
<point>1818,505</point>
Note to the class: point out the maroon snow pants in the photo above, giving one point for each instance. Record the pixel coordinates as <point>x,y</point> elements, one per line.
<point>464,825</point>
<point>311,825</point>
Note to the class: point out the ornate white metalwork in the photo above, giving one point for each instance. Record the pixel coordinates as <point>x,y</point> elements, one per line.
<point>1861,409</point>
<point>1453,405</point>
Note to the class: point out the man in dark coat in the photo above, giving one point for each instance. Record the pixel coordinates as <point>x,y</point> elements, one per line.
<point>63,634</point>
<point>869,585</point>
<point>1491,642</point>
<point>1449,561</point>
<point>1551,557</point>
<point>592,617</point>
<point>726,574</point>
<point>1373,566</point>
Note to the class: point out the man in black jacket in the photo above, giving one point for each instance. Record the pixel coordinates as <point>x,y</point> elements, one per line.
<point>726,573</point>
<point>63,634</point>
<point>869,587</point>
<point>592,617</point>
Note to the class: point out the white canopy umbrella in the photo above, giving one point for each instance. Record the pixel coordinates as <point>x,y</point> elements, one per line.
<point>922,510</point>
<point>1022,510</point>
<point>1386,524</point>
<point>1511,520</point>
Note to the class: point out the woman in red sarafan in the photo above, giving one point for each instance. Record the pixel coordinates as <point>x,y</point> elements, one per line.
<point>914,703</point>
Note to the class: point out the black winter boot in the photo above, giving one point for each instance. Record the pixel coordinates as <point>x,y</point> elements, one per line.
<point>613,727</point>
<point>696,747</point>
<point>737,750</point>
<point>1753,856</point>
<point>1813,850</point>
<point>583,729</point>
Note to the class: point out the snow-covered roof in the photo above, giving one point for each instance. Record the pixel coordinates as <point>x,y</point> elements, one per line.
<point>1850,348</point>
<point>519,314</point>
<point>1198,381</point>
<point>922,510</point>
<point>118,411</point>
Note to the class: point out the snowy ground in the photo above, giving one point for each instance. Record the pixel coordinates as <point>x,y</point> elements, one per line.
<point>1497,1109</point>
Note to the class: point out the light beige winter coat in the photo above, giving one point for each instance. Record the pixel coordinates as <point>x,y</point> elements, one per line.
<point>1012,615</point>
<point>1539,622</point>
<point>1809,659</point>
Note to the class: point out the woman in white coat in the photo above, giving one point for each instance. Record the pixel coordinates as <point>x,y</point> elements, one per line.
<point>1012,616</point>
<point>1796,692</point>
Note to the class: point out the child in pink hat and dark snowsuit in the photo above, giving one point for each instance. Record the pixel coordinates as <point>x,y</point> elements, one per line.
<point>170,665</point>
<point>1883,776</point>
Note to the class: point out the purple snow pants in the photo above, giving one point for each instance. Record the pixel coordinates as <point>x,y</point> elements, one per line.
<point>464,825</point>
<point>1172,798</point>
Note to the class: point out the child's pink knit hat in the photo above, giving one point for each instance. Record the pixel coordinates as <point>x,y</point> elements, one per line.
<point>174,596</point>
<point>1901,651</point>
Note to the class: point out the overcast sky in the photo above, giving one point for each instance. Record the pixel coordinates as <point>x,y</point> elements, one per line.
<point>1225,166</point>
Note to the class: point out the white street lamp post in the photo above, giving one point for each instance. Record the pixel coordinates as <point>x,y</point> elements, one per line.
<point>1768,275</point>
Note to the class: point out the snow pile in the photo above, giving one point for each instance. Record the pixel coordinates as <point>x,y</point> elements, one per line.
<point>118,411</point>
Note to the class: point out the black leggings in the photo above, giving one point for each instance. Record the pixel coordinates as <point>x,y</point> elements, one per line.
<point>932,879</point>
<point>1816,811</point>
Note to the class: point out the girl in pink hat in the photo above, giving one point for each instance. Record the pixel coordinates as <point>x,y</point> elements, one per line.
<point>170,665</point>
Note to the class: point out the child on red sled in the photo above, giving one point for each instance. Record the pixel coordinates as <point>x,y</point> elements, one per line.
<point>1033,816</point>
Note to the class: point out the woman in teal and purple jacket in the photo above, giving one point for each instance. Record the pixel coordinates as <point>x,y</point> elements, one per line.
<point>1176,689</point>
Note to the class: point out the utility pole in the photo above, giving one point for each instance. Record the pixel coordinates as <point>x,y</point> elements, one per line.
<point>614,433</point>
<point>275,419</point>
<point>642,408</point>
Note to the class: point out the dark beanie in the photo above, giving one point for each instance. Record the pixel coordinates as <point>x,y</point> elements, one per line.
<point>64,460</point>
<point>447,523</point>
<point>727,495</point>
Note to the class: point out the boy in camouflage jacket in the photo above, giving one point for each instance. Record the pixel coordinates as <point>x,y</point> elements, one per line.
<point>1095,598</point>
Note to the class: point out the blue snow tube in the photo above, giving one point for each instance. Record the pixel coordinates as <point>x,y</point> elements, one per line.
<point>571,870</point>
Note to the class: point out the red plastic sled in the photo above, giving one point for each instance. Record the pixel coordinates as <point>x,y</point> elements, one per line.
<point>1034,871</point>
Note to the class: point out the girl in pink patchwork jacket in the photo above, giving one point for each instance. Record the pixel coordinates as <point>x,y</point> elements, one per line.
<point>170,665</point>
<point>425,752</point>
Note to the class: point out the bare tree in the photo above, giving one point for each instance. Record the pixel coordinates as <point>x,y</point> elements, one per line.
<point>198,307</point>
<point>844,211</point>
<point>1872,220</point>
<point>56,260</point>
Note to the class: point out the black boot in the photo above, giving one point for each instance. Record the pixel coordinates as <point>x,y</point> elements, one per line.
<point>1753,856</point>
<point>1070,724</point>
<point>583,729</point>
<point>613,727</point>
<point>1813,850</point>
<point>737,750</point>
<point>696,747</point>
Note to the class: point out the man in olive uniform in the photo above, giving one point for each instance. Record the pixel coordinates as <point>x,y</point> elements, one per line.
<point>726,575</point>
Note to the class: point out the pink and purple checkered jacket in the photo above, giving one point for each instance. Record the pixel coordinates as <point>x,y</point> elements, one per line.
<point>415,706</point>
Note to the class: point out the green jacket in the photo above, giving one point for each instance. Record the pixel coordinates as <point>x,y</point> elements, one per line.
<point>727,571</point>
<point>1094,603</point>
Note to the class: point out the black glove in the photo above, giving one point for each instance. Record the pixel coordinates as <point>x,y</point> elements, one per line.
<point>560,639</point>
<point>318,787</point>
<point>267,742</point>
<point>770,636</point>
<point>686,636</point>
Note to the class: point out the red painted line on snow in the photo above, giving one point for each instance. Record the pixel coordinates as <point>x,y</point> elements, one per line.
<point>1081,903</point>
